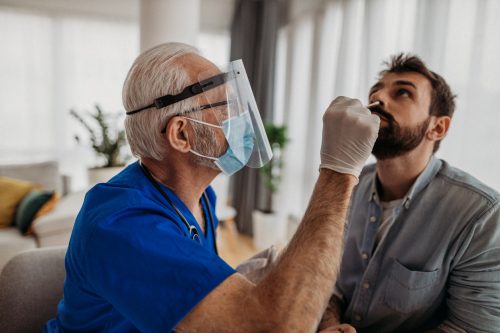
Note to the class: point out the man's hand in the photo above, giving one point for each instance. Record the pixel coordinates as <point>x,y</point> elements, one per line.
<point>349,133</point>
<point>333,313</point>
<point>257,267</point>
<point>342,328</point>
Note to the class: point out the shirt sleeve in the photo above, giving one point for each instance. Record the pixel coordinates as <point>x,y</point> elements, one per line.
<point>474,284</point>
<point>448,327</point>
<point>149,270</point>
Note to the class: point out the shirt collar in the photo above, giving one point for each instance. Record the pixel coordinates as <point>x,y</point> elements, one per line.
<point>422,181</point>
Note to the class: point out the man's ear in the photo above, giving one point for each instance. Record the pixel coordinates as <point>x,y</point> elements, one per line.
<point>439,128</point>
<point>177,134</point>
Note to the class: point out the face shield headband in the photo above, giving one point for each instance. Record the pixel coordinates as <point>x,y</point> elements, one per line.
<point>189,91</point>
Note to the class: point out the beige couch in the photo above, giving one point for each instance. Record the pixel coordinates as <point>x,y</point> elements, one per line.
<point>52,229</point>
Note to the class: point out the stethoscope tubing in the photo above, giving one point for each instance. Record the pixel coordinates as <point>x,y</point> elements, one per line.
<point>194,234</point>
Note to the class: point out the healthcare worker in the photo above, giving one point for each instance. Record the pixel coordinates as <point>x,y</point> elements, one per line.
<point>143,256</point>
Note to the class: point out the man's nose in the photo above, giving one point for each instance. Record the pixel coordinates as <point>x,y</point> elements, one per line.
<point>380,97</point>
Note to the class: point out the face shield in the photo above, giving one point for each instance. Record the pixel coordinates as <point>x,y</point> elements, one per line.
<point>228,104</point>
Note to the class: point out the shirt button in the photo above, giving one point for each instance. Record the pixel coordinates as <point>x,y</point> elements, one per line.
<point>357,317</point>
<point>364,256</point>
<point>366,285</point>
<point>373,219</point>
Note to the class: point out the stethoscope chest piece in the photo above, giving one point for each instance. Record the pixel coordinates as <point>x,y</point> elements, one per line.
<point>194,234</point>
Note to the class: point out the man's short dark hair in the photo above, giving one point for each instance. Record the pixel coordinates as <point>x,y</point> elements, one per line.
<point>442,99</point>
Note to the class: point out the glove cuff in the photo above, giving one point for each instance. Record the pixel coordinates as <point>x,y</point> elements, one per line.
<point>347,171</point>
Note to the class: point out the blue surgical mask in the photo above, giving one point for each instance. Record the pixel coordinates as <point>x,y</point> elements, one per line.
<point>240,138</point>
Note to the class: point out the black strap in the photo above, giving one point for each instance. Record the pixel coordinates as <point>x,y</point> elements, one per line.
<point>189,91</point>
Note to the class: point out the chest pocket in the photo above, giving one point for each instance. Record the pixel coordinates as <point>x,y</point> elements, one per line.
<point>407,291</point>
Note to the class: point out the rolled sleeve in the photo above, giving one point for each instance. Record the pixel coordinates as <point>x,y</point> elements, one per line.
<point>474,283</point>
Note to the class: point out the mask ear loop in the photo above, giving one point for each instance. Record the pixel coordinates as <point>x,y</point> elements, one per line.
<point>203,122</point>
<point>200,155</point>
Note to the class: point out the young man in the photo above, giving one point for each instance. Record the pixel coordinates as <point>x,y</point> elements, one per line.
<point>422,250</point>
<point>142,256</point>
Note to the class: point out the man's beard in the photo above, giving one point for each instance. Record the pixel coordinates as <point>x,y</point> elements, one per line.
<point>394,140</point>
<point>205,143</point>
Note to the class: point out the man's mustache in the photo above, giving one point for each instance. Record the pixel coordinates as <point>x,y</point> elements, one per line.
<point>378,110</point>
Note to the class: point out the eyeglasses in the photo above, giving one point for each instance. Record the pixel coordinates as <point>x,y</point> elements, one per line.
<point>202,107</point>
<point>189,91</point>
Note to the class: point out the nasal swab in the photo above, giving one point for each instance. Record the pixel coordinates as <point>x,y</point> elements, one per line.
<point>372,104</point>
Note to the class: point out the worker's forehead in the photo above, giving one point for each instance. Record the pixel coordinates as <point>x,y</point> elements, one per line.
<point>197,67</point>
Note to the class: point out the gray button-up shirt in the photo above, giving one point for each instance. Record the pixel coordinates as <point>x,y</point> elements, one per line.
<point>440,260</point>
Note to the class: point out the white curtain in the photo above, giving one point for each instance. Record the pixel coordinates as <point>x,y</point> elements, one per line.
<point>337,48</point>
<point>51,63</point>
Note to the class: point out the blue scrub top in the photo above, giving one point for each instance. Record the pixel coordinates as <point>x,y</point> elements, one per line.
<point>131,264</point>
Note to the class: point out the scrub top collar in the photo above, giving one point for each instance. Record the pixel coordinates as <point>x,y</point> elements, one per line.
<point>189,222</point>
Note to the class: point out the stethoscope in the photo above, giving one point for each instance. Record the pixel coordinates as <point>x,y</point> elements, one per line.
<point>194,234</point>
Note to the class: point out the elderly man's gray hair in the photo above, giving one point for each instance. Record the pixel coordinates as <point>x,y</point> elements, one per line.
<point>154,73</point>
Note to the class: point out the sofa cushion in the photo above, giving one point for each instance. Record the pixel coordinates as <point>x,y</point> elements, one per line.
<point>54,228</point>
<point>12,192</point>
<point>31,206</point>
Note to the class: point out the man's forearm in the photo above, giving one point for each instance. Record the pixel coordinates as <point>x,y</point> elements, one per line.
<point>302,282</point>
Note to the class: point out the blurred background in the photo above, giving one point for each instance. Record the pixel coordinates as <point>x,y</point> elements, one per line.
<point>62,55</point>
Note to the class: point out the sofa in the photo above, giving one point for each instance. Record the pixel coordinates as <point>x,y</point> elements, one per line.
<point>51,229</point>
<point>38,273</point>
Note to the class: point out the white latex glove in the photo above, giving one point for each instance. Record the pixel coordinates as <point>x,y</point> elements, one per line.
<point>349,133</point>
<point>257,267</point>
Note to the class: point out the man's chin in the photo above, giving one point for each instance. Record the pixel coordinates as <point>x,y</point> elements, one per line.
<point>383,156</point>
<point>385,151</point>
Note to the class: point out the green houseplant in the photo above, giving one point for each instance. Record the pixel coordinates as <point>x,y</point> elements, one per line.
<point>107,142</point>
<point>272,171</point>
<point>269,227</point>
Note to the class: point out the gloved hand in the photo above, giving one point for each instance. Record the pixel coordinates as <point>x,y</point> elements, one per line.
<point>349,133</point>
<point>257,267</point>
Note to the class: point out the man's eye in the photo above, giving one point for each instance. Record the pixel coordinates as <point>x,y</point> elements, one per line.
<point>403,92</point>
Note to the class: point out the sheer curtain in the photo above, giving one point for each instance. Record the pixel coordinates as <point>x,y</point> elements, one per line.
<point>51,63</point>
<point>337,48</point>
